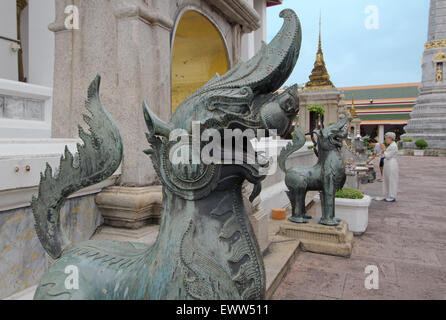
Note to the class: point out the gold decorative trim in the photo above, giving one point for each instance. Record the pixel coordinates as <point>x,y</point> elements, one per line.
<point>318,88</point>
<point>440,56</point>
<point>435,44</point>
<point>352,107</point>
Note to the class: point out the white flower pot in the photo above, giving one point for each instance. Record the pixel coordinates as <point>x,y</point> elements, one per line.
<point>353,211</point>
<point>418,152</point>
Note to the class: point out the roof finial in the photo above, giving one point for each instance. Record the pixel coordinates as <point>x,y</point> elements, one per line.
<point>352,108</point>
<point>320,31</point>
<point>319,78</point>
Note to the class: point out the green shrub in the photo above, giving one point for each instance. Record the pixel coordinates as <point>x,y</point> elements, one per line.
<point>310,147</point>
<point>366,142</point>
<point>421,144</point>
<point>348,193</point>
<point>318,108</point>
<point>407,139</point>
<point>366,139</point>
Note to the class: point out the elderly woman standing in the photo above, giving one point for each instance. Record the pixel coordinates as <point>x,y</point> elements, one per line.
<point>391,174</point>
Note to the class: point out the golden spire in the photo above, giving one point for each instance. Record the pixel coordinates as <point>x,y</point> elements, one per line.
<point>320,33</point>
<point>352,108</point>
<point>319,78</point>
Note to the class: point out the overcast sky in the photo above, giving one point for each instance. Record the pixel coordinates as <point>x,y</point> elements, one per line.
<point>358,48</point>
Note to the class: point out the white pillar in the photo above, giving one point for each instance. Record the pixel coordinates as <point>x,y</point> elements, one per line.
<point>381,133</point>
<point>248,45</point>
<point>248,48</point>
<point>251,42</point>
<point>41,42</point>
<point>260,34</point>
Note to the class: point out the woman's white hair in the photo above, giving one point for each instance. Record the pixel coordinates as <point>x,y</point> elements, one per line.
<point>390,135</point>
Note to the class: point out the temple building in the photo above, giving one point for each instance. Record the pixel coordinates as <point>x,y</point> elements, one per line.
<point>50,50</point>
<point>319,91</point>
<point>382,108</point>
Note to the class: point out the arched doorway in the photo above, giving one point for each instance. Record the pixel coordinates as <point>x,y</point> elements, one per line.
<point>198,54</point>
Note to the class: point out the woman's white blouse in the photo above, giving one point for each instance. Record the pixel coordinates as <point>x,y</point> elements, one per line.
<point>391,151</point>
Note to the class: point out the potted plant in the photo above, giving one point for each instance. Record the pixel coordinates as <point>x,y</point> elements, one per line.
<point>421,145</point>
<point>352,206</point>
<point>406,142</point>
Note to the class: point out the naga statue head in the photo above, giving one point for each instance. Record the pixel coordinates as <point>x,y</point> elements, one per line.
<point>332,137</point>
<point>279,114</point>
<point>244,98</point>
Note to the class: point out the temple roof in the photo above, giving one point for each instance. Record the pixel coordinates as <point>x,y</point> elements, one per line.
<point>319,78</point>
<point>382,104</point>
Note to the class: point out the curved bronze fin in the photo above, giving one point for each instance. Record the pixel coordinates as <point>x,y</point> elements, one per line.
<point>273,64</point>
<point>96,160</point>
<point>279,57</point>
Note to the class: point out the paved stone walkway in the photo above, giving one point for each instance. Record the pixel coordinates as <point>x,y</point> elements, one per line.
<point>406,240</point>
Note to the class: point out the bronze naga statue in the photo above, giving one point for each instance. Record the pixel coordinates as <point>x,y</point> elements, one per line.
<point>327,176</point>
<point>206,248</point>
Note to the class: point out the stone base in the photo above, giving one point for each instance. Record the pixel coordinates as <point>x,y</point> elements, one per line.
<point>318,238</point>
<point>259,222</point>
<point>130,207</point>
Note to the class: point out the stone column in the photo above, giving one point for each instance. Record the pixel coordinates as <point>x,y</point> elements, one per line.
<point>428,117</point>
<point>381,133</point>
<point>261,33</point>
<point>128,44</point>
<point>248,46</point>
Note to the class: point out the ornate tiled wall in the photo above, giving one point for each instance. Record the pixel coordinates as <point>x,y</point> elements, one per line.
<point>22,259</point>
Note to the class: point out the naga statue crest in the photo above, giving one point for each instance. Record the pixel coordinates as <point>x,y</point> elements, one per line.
<point>327,176</point>
<point>206,248</point>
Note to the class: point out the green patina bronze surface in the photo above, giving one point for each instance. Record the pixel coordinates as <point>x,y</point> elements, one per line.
<point>327,176</point>
<point>206,248</point>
